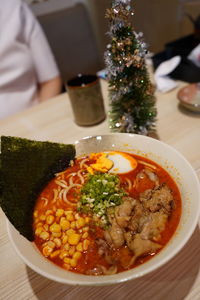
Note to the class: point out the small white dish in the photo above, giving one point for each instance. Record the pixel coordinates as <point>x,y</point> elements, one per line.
<point>189,97</point>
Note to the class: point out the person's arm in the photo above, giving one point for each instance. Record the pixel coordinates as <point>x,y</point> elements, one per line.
<point>49,89</point>
<point>45,66</point>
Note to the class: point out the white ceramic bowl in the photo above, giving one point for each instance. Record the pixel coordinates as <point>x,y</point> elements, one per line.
<point>176,165</point>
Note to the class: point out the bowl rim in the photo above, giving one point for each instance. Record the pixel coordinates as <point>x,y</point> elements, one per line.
<point>126,275</point>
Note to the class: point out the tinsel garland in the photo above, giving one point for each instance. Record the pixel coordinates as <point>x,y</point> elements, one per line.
<point>132,101</point>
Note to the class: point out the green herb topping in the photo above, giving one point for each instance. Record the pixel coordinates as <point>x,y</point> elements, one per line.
<point>99,193</point>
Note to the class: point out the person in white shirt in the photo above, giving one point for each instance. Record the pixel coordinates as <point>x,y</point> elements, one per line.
<point>28,71</point>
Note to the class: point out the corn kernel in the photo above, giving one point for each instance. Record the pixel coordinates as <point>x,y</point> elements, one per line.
<point>86,244</point>
<point>70,217</point>
<point>79,247</point>
<point>77,255</point>
<point>57,241</point>
<point>85,235</point>
<point>42,217</point>
<point>70,231</point>
<point>73,224</point>
<point>73,262</point>
<point>55,228</point>
<point>66,266</point>
<point>55,253</point>
<point>68,212</point>
<point>47,250</point>
<point>64,224</point>
<point>59,212</point>
<point>72,250</point>
<point>44,235</point>
<point>67,260</point>
<point>74,239</point>
<point>35,214</point>
<point>65,239</point>
<point>40,224</point>
<point>50,219</point>
<point>80,222</point>
<point>64,254</point>
<point>46,227</point>
<point>51,244</point>
<point>38,230</point>
<point>48,212</point>
<point>60,220</point>
<point>56,234</point>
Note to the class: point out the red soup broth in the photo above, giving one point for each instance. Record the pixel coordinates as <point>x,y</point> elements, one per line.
<point>50,202</point>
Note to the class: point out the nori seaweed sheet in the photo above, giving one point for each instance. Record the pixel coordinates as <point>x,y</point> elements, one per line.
<point>26,166</point>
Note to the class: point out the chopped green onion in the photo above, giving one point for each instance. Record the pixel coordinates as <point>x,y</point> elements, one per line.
<point>100,192</point>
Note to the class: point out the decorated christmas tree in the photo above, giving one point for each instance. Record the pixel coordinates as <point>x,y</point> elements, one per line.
<point>132,101</point>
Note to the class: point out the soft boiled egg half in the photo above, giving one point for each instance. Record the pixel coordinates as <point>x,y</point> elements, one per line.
<point>112,162</point>
<point>122,162</point>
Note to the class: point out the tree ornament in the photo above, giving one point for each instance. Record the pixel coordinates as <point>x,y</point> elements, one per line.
<point>132,101</point>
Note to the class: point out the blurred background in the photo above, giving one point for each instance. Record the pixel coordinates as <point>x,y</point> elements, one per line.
<point>76,29</point>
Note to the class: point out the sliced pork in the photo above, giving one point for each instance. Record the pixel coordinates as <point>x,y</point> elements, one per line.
<point>139,223</point>
<point>160,198</point>
<point>141,246</point>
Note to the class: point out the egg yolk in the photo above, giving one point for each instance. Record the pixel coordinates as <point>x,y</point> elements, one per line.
<point>102,164</point>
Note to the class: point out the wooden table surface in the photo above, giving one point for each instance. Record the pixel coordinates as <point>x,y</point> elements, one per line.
<point>53,120</point>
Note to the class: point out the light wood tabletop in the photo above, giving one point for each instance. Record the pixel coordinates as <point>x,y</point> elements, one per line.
<point>53,121</point>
